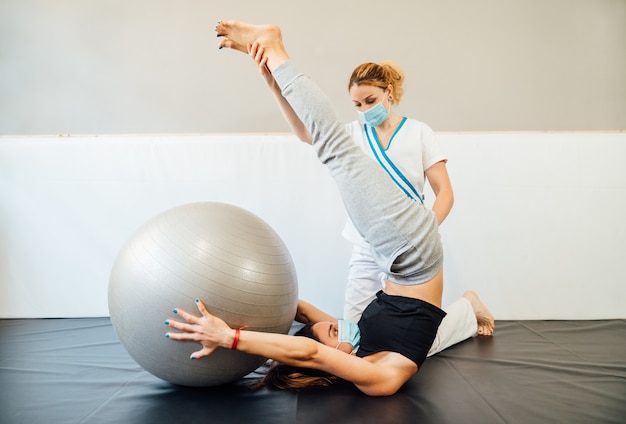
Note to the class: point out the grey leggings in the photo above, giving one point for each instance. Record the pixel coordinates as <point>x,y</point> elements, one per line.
<point>403,233</point>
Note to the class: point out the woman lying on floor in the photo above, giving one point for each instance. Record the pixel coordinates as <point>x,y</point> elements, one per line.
<point>345,336</point>
<point>398,328</point>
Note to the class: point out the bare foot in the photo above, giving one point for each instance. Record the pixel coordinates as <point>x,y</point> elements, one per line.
<point>240,34</point>
<point>244,33</point>
<point>485,320</point>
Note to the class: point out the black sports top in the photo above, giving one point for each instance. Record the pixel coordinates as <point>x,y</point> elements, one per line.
<point>399,324</point>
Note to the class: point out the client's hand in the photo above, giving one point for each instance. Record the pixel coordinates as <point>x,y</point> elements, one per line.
<point>208,330</point>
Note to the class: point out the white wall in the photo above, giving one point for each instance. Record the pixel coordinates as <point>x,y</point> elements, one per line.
<point>152,66</point>
<point>537,230</point>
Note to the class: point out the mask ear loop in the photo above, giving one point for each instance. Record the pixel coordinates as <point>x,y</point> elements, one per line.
<point>337,347</point>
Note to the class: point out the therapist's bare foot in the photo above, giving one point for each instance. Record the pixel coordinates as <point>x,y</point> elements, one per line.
<point>485,320</point>
<point>241,34</point>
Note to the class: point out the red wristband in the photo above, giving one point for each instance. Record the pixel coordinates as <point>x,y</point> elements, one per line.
<point>236,339</point>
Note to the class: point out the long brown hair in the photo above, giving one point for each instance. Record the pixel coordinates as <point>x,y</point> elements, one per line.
<point>288,377</point>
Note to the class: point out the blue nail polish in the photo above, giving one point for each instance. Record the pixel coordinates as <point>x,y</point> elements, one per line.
<point>167,322</point>
<point>175,311</point>
<point>191,357</point>
<point>167,335</point>
<point>197,300</point>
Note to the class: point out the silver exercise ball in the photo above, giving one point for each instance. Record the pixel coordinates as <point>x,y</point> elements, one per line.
<point>222,254</point>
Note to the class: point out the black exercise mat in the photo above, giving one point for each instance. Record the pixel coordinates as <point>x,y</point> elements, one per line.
<point>76,371</point>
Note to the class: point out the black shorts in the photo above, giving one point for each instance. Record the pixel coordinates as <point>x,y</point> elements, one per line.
<point>399,324</point>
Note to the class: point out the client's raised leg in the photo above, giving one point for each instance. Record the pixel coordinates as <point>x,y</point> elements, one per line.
<point>403,233</point>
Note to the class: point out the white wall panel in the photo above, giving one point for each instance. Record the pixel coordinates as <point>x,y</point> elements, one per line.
<point>537,229</point>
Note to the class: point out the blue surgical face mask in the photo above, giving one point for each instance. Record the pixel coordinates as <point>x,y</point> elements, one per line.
<point>375,115</point>
<point>349,333</point>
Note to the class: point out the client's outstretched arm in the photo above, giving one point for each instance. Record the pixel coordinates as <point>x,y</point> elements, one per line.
<point>213,333</point>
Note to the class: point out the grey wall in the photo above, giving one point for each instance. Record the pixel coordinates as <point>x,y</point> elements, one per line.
<point>152,66</point>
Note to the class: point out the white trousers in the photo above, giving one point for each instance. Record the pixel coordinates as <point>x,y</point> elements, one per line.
<point>365,280</point>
